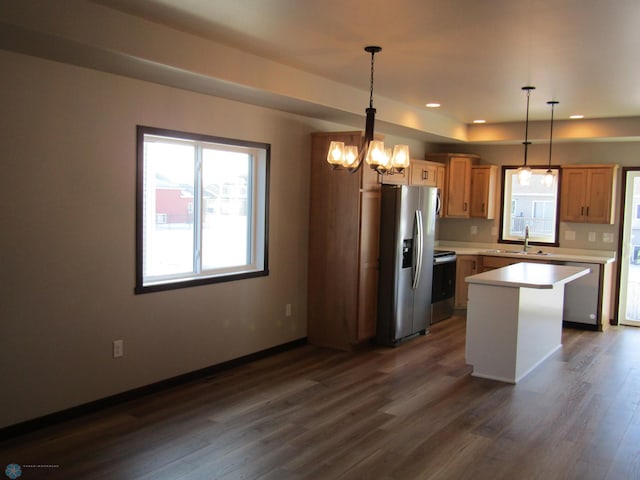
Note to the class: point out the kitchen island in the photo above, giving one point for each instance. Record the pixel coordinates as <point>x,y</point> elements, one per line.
<point>514,318</point>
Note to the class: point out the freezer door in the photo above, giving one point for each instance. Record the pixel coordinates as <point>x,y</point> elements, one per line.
<point>409,237</point>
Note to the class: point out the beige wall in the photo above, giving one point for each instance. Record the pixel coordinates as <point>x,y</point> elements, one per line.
<point>68,239</point>
<point>620,153</point>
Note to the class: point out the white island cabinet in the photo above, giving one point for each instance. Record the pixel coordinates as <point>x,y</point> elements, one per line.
<point>514,318</point>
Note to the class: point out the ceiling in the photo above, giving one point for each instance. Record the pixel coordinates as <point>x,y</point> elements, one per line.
<point>307,57</point>
<point>470,56</point>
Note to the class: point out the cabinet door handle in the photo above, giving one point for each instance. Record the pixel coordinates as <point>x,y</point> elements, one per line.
<point>587,211</point>
<point>464,207</point>
<point>474,265</point>
<point>482,208</point>
<point>425,174</point>
<point>581,211</point>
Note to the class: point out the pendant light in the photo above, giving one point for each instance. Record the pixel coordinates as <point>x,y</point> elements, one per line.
<point>524,173</point>
<point>381,159</point>
<point>549,175</point>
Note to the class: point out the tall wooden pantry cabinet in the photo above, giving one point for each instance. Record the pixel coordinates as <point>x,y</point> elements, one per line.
<point>344,216</point>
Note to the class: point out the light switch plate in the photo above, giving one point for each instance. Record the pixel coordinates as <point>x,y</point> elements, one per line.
<point>592,236</point>
<point>607,237</point>
<point>474,230</point>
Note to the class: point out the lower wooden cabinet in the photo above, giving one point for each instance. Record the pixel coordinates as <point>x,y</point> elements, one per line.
<point>465,265</point>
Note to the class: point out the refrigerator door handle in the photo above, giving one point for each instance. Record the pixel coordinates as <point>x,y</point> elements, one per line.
<point>417,248</point>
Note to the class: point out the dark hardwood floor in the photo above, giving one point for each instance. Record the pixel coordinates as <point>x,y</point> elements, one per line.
<point>412,412</point>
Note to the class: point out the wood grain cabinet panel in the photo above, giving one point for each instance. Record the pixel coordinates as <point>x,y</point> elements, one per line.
<point>483,191</point>
<point>466,265</point>
<point>586,193</point>
<point>344,212</point>
<point>423,173</point>
<point>456,192</point>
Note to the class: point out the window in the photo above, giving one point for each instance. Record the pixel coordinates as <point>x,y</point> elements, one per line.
<point>201,209</point>
<point>534,206</point>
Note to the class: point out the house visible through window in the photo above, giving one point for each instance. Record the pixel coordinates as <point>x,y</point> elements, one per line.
<point>202,209</point>
<point>533,206</point>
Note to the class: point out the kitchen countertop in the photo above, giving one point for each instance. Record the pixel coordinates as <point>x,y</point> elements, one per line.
<point>528,275</point>
<point>514,251</point>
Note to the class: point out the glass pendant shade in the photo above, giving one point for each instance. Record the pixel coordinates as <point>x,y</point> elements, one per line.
<point>336,153</point>
<point>400,158</point>
<point>548,178</point>
<point>376,156</point>
<point>341,155</point>
<point>350,159</point>
<point>524,176</point>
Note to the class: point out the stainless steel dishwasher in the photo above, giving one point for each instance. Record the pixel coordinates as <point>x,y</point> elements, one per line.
<point>581,296</point>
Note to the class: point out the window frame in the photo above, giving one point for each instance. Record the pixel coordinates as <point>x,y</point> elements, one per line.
<point>259,232</point>
<point>555,243</point>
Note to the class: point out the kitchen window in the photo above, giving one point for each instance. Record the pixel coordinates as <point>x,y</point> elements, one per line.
<point>202,209</point>
<point>534,206</point>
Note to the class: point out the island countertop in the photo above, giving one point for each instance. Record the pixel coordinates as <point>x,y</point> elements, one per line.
<point>528,275</point>
<point>550,254</point>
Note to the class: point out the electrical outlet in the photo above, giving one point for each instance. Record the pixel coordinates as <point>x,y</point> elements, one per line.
<point>607,237</point>
<point>474,230</point>
<point>118,348</point>
<point>287,310</point>
<point>569,235</point>
<point>592,236</point>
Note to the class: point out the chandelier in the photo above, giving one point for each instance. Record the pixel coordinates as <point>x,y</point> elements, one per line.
<point>524,173</point>
<point>382,160</point>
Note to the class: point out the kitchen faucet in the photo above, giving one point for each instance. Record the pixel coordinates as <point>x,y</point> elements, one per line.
<point>525,245</point>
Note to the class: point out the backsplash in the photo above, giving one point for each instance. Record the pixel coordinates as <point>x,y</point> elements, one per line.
<point>572,235</point>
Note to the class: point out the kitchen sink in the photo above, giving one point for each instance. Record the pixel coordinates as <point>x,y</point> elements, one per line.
<point>499,250</point>
<point>515,252</point>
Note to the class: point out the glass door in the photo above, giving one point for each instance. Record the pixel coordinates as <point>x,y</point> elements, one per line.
<point>629,307</point>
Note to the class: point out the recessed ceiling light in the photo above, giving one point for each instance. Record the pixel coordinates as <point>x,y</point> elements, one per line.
<point>479,121</point>
<point>432,105</point>
<point>576,117</point>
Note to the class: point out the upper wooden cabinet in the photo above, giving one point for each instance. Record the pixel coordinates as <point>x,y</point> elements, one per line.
<point>458,182</point>
<point>483,191</point>
<point>423,173</point>
<point>429,174</point>
<point>586,193</point>
<point>344,217</point>
<point>396,178</point>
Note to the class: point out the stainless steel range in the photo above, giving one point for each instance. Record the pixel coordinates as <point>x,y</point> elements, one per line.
<point>443,288</point>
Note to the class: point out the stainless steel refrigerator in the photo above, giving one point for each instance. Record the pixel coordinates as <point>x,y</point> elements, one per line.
<point>407,235</point>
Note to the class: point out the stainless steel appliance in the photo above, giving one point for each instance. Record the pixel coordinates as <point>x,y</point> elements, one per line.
<point>581,298</point>
<point>407,231</point>
<point>444,285</point>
